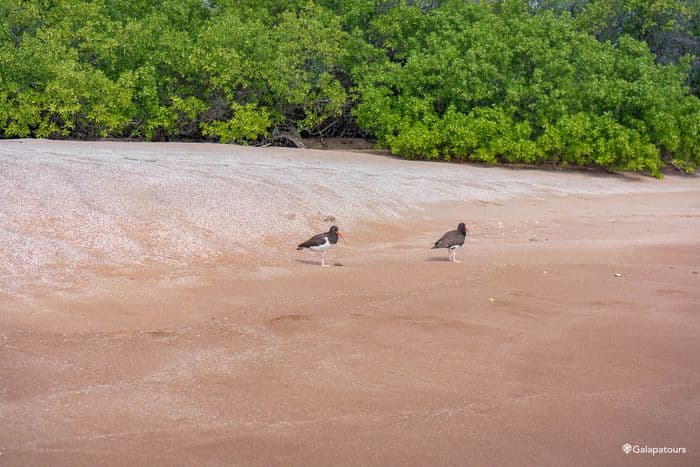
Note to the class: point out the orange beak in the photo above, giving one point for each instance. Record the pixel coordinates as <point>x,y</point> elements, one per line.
<point>340,234</point>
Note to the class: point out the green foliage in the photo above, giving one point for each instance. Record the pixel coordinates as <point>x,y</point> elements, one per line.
<point>668,27</point>
<point>610,19</point>
<point>566,82</point>
<point>45,91</point>
<point>310,44</point>
<point>248,123</point>
<point>500,84</point>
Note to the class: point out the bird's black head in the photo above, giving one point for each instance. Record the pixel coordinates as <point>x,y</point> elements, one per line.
<point>334,230</point>
<point>462,228</point>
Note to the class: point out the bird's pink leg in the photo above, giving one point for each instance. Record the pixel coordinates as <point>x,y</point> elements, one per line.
<point>323,259</point>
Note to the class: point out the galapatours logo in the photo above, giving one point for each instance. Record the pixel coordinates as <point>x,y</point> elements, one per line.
<point>627,448</point>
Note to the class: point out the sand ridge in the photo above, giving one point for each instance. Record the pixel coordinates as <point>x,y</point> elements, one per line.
<point>69,206</point>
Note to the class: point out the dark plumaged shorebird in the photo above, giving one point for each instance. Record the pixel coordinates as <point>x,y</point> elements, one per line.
<point>322,242</point>
<point>452,240</point>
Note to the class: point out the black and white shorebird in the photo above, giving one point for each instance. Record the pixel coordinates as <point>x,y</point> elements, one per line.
<point>321,242</point>
<point>452,240</point>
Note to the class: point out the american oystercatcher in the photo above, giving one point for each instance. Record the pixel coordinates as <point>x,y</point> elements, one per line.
<point>322,242</point>
<point>452,240</point>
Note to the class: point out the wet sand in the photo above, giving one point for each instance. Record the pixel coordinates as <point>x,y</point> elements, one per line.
<point>531,351</point>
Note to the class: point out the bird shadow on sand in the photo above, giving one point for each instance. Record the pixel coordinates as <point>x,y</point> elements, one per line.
<point>435,258</point>
<point>318,263</point>
<point>308,261</point>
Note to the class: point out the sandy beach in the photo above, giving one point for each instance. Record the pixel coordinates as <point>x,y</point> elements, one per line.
<point>154,310</point>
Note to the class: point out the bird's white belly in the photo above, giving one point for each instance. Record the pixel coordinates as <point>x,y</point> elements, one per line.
<point>454,247</point>
<point>321,247</point>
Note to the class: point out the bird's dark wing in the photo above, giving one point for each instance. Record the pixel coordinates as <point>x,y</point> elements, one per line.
<point>451,238</point>
<point>316,240</point>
